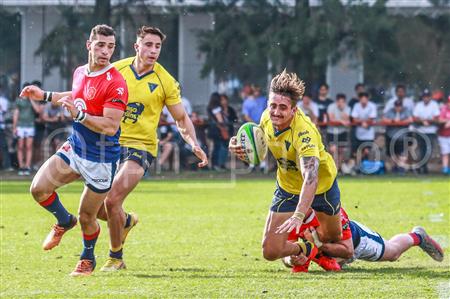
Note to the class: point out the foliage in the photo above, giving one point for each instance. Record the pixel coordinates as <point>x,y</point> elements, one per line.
<point>250,34</point>
<point>202,239</point>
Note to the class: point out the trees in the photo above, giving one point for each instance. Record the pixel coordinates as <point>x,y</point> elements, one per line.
<point>306,38</point>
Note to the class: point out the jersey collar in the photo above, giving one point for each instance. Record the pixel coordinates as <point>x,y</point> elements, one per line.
<point>97,73</point>
<point>143,75</point>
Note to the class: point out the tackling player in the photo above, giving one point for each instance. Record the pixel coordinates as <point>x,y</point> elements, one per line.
<point>306,174</point>
<point>96,103</point>
<point>368,245</point>
<point>150,88</point>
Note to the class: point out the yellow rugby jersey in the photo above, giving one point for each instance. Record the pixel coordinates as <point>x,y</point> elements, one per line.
<point>300,139</point>
<point>147,95</point>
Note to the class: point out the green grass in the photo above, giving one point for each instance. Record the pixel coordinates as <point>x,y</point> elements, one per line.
<point>202,239</point>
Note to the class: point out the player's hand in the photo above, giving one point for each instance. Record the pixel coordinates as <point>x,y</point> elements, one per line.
<point>199,153</point>
<point>298,260</point>
<point>236,148</point>
<point>68,104</point>
<point>32,92</point>
<point>289,225</point>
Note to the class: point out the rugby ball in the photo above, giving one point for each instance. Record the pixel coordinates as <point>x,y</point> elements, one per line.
<point>253,141</point>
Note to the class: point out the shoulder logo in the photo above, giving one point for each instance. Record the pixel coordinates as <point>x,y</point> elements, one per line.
<point>120,91</point>
<point>306,140</point>
<point>303,133</point>
<point>287,144</point>
<point>152,86</point>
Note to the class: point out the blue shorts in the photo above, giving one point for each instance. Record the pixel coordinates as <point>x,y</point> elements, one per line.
<point>143,158</point>
<point>328,202</point>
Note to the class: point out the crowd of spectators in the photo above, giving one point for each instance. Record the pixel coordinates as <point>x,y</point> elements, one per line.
<point>29,130</point>
<point>362,134</point>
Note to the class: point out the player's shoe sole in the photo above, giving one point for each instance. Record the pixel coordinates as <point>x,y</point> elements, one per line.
<point>54,237</point>
<point>430,246</point>
<point>83,268</point>
<point>133,222</point>
<point>113,264</point>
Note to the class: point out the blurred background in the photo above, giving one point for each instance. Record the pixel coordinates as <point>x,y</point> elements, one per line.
<point>377,73</point>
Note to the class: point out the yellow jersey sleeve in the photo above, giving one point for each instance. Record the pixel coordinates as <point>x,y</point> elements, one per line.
<point>307,144</point>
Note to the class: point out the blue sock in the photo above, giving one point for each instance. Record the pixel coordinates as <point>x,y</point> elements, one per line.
<point>89,245</point>
<point>54,206</point>
<point>116,254</point>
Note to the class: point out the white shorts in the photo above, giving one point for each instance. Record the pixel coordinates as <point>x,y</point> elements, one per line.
<point>98,176</point>
<point>444,143</point>
<point>371,245</point>
<point>25,132</point>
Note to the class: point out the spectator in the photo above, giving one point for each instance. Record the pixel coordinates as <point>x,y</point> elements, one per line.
<point>400,94</point>
<point>11,139</point>
<point>254,105</point>
<point>397,120</point>
<point>23,127</point>
<point>309,107</point>
<point>322,102</point>
<point>39,131</point>
<point>230,115</point>
<point>359,87</point>
<point>426,115</point>
<point>4,154</point>
<point>165,140</point>
<point>337,132</point>
<point>444,135</point>
<point>54,126</point>
<point>217,132</point>
<point>364,113</point>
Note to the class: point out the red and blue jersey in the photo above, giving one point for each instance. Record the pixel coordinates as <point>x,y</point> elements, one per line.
<point>92,92</point>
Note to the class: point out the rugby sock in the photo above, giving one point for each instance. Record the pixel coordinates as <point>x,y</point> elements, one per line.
<point>306,247</point>
<point>127,220</point>
<point>89,245</point>
<point>417,239</point>
<point>54,206</point>
<point>116,254</point>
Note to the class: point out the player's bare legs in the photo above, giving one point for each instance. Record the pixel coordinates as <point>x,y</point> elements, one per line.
<point>330,229</point>
<point>89,205</point>
<point>276,245</point>
<point>396,246</point>
<point>126,179</point>
<point>54,173</point>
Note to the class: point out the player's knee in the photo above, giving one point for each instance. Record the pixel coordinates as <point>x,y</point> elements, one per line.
<point>270,254</point>
<point>39,191</point>
<point>113,203</point>
<point>86,218</point>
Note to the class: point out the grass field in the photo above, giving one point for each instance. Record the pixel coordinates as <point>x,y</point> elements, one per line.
<point>202,239</point>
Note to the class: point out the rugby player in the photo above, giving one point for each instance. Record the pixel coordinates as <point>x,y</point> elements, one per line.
<point>151,87</point>
<point>96,103</point>
<point>306,174</point>
<point>364,244</point>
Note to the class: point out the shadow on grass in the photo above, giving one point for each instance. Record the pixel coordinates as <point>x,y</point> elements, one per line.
<point>418,272</point>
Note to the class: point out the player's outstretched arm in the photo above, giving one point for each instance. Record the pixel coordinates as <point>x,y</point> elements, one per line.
<point>310,169</point>
<point>187,131</point>
<point>36,94</point>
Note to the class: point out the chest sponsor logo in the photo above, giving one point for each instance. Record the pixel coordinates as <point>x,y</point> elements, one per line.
<point>80,104</point>
<point>152,86</point>
<point>287,164</point>
<point>131,115</point>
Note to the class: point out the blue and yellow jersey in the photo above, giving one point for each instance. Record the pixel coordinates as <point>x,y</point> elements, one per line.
<point>300,139</point>
<point>147,95</point>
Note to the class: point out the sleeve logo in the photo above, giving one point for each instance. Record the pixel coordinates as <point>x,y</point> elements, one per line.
<point>306,140</point>
<point>120,91</point>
